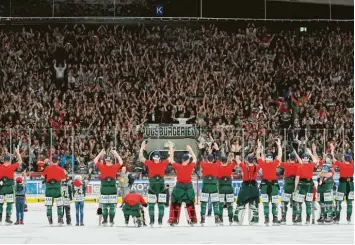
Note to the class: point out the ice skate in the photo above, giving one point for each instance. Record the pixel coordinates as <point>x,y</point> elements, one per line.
<point>160,221</point>
<point>313,221</point>
<point>298,220</point>
<point>8,220</point>
<point>126,220</point>
<point>275,221</point>
<point>221,219</point>
<point>50,220</point>
<point>267,220</point>
<point>151,223</point>
<point>81,224</point>
<point>328,220</point>
<point>283,220</point>
<point>230,220</point>
<point>216,220</point>
<point>348,218</point>
<point>321,220</point>
<point>21,222</point>
<point>104,222</point>
<point>336,219</point>
<point>111,221</point>
<point>308,220</point>
<point>203,220</point>
<point>139,222</point>
<point>60,221</point>
<point>17,222</point>
<point>76,224</point>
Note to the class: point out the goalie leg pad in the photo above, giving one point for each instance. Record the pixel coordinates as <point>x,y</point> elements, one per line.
<point>241,214</point>
<point>254,213</point>
<point>191,212</point>
<point>174,215</point>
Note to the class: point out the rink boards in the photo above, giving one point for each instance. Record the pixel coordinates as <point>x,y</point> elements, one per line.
<point>36,190</point>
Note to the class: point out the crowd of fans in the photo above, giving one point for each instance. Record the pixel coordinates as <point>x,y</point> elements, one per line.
<point>64,8</point>
<point>76,89</point>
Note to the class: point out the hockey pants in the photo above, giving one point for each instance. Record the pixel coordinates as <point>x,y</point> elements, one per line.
<point>326,206</point>
<point>8,208</point>
<point>289,187</point>
<point>345,188</point>
<point>303,188</point>
<point>270,188</point>
<point>161,209</point>
<point>106,211</point>
<point>248,194</point>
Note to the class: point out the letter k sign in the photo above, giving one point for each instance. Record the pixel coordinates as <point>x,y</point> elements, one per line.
<point>159,10</point>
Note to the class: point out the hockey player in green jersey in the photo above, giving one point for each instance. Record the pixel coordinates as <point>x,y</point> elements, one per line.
<point>108,188</point>
<point>156,191</point>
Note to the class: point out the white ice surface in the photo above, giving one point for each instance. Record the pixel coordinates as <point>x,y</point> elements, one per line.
<point>37,230</point>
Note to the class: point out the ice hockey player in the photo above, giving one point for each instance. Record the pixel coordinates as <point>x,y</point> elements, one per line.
<point>304,188</point>
<point>248,192</point>
<point>79,191</point>
<point>53,176</point>
<point>226,193</point>
<point>209,187</point>
<point>183,190</point>
<point>7,171</point>
<point>67,194</point>
<point>20,192</point>
<point>108,188</point>
<point>346,185</point>
<point>325,190</point>
<point>290,170</point>
<point>269,185</point>
<point>132,203</point>
<point>156,189</point>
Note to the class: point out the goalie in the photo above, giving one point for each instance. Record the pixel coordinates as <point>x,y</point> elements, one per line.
<point>183,190</point>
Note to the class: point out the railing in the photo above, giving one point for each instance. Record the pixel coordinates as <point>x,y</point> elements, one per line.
<point>263,9</point>
<point>77,148</point>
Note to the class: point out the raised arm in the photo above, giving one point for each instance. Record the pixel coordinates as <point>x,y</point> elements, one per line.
<point>19,158</point>
<point>314,152</point>
<point>141,156</point>
<point>117,156</point>
<point>259,151</point>
<point>314,159</point>
<point>171,152</point>
<point>279,150</point>
<point>297,156</point>
<point>97,158</point>
<point>189,149</point>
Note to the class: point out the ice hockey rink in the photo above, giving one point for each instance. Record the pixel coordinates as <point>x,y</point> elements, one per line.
<point>37,230</point>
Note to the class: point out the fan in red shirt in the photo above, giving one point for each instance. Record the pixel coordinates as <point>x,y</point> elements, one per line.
<point>108,189</point>
<point>304,187</point>
<point>183,190</point>
<point>226,193</point>
<point>7,171</point>
<point>156,172</point>
<point>290,170</point>
<point>346,184</point>
<point>248,192</point>
<point>132,207</point>
<point>269,184</point>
